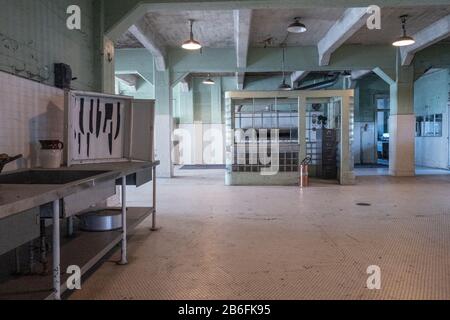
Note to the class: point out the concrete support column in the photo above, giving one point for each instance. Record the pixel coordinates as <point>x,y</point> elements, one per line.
<point>347,175</point>
<point>216,101</point>
<point>302,127</point>
<point>108,67</point>
<point>163,123</point>
<point>402,123</point>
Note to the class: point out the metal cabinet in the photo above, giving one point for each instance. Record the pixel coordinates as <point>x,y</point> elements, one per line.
<point>18,230</point>
<point>329,153</point>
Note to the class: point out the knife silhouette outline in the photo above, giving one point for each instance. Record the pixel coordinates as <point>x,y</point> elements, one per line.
<point>110,138</point>
<point>81,116</point>
<point>109,110</point>
<point>98,119</point>
<point>91,117</point>
<point>118,121</point>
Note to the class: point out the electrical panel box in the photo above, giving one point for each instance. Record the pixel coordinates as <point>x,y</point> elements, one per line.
<point>329,153</point>
<point>63,76</point>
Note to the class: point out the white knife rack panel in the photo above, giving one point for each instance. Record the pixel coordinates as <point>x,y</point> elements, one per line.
<point>99,128</point>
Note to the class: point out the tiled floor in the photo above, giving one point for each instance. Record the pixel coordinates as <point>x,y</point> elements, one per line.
<point>384,171</point>
<point>220,242</point>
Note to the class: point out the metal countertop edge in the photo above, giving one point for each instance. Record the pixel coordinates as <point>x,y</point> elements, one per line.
<point>61,191</point>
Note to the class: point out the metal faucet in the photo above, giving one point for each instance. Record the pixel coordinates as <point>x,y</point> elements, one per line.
<point>5,159</point>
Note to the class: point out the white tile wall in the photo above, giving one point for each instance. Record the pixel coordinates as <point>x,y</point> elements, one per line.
<point>29,111</point>
<point>199,143</point>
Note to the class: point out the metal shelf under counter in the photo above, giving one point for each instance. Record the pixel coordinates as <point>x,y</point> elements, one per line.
<point>97,246</point>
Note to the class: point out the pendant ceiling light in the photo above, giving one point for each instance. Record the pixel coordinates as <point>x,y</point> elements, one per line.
<point>209,81</point>
<point>297,26</point>
<point>284,86</point>
<point>404,40</point>
<point>191,44</point>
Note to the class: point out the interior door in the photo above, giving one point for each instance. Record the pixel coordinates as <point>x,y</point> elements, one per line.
<point>382,120</point>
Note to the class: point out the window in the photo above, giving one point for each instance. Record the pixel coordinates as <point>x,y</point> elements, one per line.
<point>438,125</point>
<point>382,103</point>
<point>419,126</point>
<point>429,125</point>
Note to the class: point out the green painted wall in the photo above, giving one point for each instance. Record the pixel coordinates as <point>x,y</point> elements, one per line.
<point>431,93</point>
<point>202,103</point>
<point>205,103</point>
<point>365,93</point>
<point>256,83</point>
<point>183,105</point>
<point>143,90</point>
<point>435,56</point>
<point>347,57</point>
<point>34,36</point>
<point>135,60</point>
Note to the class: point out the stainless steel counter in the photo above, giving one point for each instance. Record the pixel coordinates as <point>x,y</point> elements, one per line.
<point>75,196</point>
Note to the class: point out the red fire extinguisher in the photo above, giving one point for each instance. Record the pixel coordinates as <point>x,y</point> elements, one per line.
<point>304,172</point>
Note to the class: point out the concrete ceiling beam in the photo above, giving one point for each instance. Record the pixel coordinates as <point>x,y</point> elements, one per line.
<point>186,84</point>
<point>298,76</point>
<point>242,26</point>
<point>358,74</point>
<point>388,76</point>
<point>130,79</point>
<point>432,34</point>
<point>139,76</point>
<point>149,40</point>
<point>240,79</point>
<point>348,57</point>
<point>351,21</point>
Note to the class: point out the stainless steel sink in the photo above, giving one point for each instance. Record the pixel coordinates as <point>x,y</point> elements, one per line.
<point>55,177</point>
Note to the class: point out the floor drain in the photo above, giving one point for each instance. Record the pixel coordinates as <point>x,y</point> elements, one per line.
<point>363,204</point>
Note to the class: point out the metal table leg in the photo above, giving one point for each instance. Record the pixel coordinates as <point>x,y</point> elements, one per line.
<point>154,201</point>
<point>123,260</point>
<point>17,256</point>
<point>32,258</point>
<point>56,253</point>
<point>43,246</point>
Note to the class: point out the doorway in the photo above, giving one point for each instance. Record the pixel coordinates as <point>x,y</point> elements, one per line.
<point>448,133</point>
<point>198,136</point>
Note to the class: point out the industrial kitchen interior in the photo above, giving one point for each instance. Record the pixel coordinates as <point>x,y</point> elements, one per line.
<point>224,150</point>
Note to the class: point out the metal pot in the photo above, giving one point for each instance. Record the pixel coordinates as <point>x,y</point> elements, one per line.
<point>101,220</point>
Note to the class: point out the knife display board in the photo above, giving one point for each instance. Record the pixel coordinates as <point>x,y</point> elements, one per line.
<point>106,128</point>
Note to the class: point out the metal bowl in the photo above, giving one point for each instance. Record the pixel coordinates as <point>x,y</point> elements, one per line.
<point>101,220</point>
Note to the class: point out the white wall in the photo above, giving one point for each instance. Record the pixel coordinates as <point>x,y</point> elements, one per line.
<point>199,143</point>
<point>369,143</point>
<point>29,111</point>
<point>431,96</point>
